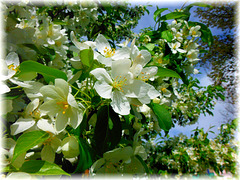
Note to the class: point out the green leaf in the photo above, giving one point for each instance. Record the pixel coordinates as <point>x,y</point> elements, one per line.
<point>163,116</point>
<point>106,138</point>
<point>86,57</point>
<point>150,46</point>
<point>167,35</point>
<point>115,133</point>
<point>85,158</point>
<point>175,15</point>
<point>187,8</point>
<point>206,34</point>
<point>27,141</point>
<point>38,167</point>
<point>158,12</point>
<point>49,74</point>
<point>100,132</point>
<point>164,72</point>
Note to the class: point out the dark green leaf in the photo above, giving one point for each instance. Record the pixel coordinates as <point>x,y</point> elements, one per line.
<point>38,167</point>
<point>163,116</point>
<point>187,8</point>
<point>50,74</point>
<point>174,15</point>
<point>27,141</point>
<point>115,133</point>
<point>100,132</point>
<point>158,12</point>
<point>85,158</point>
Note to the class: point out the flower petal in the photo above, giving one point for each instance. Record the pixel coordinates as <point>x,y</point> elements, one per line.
<point>71,101</point>
<point>46,125</point>
<point>120,67</point>
<point>50,91</point>
<point>75,117</point>
<point>101,74</point>
<point>122,53</point>
<point>47,154</point>
<point>61,122</point>
<point>103,89</point>
<point>50,107</point>
<point>120,103</point>
<point>21,125</point>
<point>62,87</point>
<point>12,58</point>
<point>102,43</point>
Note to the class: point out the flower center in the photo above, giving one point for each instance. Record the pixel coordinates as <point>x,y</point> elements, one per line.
<point>144,76</point>
<point>164,90</point>
<point>109,52</point>
<point>194,32</point>
<point>118,82</point>
<point>64,105</point>
<point>13,67</point>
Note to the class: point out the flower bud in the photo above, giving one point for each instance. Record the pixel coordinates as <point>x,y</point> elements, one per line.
<point>156,100</point>
<point>70,147</point>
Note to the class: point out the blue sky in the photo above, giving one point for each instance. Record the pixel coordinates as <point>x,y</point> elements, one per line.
<point>204,121</point>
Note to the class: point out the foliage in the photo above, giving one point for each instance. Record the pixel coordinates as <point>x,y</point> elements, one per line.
<point>77,102</point>
<point>221,60</point>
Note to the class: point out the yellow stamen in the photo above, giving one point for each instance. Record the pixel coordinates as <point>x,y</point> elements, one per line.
<point>164,90</point>
<point>64,105</point>
<point>13,67</point>
<point>109,52</point>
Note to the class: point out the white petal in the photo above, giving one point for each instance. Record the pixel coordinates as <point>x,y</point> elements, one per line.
<point>136,89</point>
<point>101,75</point>
<point>4,88</point>
<point>75,118</point>
<point>120,67</point>
<point>12,58</point>
<point>103,89</point>
<point>49,91</point>
<point>62,87</point>
<point>71,101</point>
<point>121,53</point>
<point>21,125</point>
<point>61,122</point>
<point>152,92</point>
<point>120,103</point>
<point>46,125</point>
<point>146,57</point>
<point>47,154</point>
<point>102,43</point>
<point>181,50</point>
<point>50,107</point>
<point>106,61</point>
<point>32,106</point>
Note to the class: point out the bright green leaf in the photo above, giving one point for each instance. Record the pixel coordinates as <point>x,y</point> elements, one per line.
<point>164,72</point>
<point>49,74</point>
<point>163,116</point>
<point>38,167</point>
<point>167,35</point>
<point>27,141</point>
<point>86,57</point>
<point>150,46</point>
